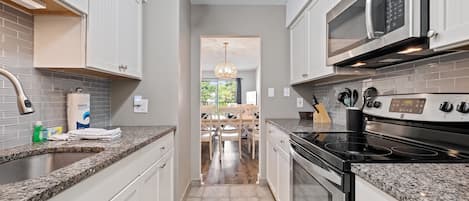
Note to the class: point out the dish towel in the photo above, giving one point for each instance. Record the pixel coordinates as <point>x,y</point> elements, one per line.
<point>96,134</point>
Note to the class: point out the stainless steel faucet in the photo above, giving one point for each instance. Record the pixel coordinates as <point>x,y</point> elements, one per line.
<point>24,104</point>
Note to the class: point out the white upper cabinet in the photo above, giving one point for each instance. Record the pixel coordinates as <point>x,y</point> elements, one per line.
<point>293,9</point>
<point>298,50</point>
<point>317,38</point>
<point>449,20</point>
<point>102,38</point>
<point>77,5</point>
<point>130,36</point>
<point>106,42</point>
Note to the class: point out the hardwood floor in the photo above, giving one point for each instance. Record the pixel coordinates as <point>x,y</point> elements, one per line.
<point>232,169</point>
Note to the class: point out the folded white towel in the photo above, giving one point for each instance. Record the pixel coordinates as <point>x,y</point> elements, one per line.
<point>96,134</point>
<point>59,137</point>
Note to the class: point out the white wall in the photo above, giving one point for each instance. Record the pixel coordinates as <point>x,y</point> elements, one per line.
<point>267,22</point>
<point>166,36</point>
<point>248,81</point>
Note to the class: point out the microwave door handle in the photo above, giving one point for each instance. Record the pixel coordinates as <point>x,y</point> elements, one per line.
<point>370,30</point>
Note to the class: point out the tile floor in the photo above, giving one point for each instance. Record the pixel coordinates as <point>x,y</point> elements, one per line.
<point>231,192</point>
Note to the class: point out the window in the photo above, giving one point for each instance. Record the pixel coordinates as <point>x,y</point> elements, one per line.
<point>218,92</point>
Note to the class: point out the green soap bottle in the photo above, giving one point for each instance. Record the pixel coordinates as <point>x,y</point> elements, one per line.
<point>37,135</point>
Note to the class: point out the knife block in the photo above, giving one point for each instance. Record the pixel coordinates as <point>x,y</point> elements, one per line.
<point>321,116</point>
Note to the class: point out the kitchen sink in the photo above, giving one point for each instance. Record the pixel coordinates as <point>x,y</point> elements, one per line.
<point>37,165</point>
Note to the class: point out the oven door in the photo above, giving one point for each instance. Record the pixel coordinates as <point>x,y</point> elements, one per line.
<point>312,179</point>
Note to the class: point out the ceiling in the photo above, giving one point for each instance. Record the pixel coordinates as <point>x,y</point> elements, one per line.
<point>239,2</point>
<point>243,52</point>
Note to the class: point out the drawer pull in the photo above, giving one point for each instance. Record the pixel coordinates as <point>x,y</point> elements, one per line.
<point>163,166</point>
<point>162,148</point>
<point>282,141</point>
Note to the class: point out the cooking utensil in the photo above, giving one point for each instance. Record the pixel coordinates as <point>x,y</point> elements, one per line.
<point>369,95</point>
<point>354,97</point>
<point>341,98</point>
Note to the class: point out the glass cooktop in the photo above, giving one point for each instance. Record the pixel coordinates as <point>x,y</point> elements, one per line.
<point>341,149</point>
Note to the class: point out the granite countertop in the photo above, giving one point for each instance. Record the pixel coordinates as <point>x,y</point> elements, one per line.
<point>418,182</point>
<point>43,188</point>
<point>297,125</point>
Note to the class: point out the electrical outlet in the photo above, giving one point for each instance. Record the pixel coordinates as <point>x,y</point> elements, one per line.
<point>299,102</point>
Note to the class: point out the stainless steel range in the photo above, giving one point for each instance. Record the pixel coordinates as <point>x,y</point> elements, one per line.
<point>410,128</point>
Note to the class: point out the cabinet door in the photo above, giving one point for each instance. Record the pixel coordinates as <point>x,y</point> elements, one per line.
<point>272,168</point>
<point>102,35</point>
<point>293,8</point>
<point>130,36</point>
<point>317,38</point>
<point>130,193</point>
<point>298,48</point>
<point>149,184</point>
<point>165,180</point>
<point>364,191</point>
<point>449,19</point>
<point>283,175</point>
<point>78,5</point>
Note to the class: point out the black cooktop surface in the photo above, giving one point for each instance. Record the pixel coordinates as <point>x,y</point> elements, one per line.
<point>341,149</point>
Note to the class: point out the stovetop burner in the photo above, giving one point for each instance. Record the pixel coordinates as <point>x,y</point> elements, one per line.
<point>359,149</point>
<point>414,151</point>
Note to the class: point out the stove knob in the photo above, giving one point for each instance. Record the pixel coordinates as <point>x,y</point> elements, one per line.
<point>463,108</point>
<point>377,104</point>
<point>369,104</point>
<point>446,107</point>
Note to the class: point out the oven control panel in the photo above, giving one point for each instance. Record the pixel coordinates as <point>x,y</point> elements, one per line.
<point>421,107</point>
<point>407,105</point>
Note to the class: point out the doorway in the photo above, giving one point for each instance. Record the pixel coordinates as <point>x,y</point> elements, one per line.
<point>229,134</point>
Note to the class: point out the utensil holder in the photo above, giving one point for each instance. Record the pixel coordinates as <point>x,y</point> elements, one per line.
<point>354,119</point>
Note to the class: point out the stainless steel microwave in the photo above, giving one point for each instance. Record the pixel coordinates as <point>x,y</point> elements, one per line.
<point>377,33</point>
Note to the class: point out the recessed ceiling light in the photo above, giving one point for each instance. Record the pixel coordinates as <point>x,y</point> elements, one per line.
<point>31,4</point>
<point>358,64</point>
<point>410,50</point>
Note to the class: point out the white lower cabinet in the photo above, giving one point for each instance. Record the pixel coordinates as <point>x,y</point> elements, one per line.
<point>278,163</point>
<point>365,191</point>
<point>146,175</point>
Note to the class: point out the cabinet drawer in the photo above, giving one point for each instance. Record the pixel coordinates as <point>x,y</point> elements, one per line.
<point>279,138</point>
<point>165,144</point>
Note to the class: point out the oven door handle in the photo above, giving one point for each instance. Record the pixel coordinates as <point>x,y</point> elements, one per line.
<point>328,174</point>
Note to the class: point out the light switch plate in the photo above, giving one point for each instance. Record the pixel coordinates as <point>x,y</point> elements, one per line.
<point>141,106</point>
<point>271,92</point>
<point>299,102</point>
<point>286,91</point>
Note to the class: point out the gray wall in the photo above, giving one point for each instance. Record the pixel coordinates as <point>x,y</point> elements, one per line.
<point>266,22</point>
<point>46,89</point>
<point>165,80</point>
<point>447,74</point>
<point>248,81</point>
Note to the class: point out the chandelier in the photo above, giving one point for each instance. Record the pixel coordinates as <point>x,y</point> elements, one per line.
<point>226,70</point>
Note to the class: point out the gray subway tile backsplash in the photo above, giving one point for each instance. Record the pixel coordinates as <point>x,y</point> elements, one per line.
<point>447,73</point>
<point>47,90</point>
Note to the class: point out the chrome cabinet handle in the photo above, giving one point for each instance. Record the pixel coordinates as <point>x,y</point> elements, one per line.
<point>432,33</point>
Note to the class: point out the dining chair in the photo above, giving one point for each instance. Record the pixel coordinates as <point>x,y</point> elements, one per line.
<point>208,126</point>
<point>253,129</point>
<point>231,126</point>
